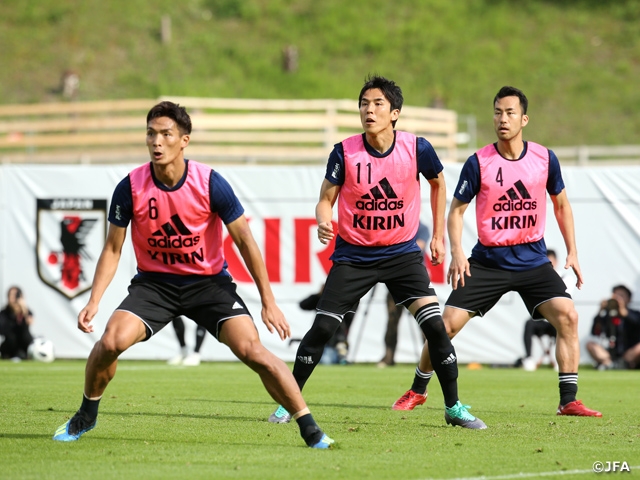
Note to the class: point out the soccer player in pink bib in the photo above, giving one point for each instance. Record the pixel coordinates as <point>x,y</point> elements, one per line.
<point>375,179</point>
<point>176,208</point>
<point>510,180</point>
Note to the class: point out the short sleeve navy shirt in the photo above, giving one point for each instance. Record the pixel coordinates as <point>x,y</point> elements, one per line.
<point>222,198</point>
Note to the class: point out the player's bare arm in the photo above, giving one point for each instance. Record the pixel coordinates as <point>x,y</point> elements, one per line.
<point>105,271</point>
<point>272,317</point>
<point>324,210</point>
<point>438,207</point>
<point>459,266</point>
<point>564,217</point>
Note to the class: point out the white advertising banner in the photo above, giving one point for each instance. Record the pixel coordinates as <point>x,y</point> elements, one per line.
<point>54,223</point>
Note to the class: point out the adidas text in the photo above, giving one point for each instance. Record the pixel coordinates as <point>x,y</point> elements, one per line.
<point>306,359</point>
<point>179,242</point>
<point>383,204</point>
<point>511,206</point>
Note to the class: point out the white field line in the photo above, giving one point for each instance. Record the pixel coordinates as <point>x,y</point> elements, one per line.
<point>529,475</point>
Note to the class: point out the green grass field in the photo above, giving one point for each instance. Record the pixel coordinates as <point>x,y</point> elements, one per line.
<point>158,421</point>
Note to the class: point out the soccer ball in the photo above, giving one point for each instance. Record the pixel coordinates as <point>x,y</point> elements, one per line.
<point>41,350</point>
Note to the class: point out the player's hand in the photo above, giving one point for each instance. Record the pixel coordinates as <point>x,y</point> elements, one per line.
<point>85,317</point>
<point>274,319</point>
<point>458,268</point>
<point>621,304</point>
<point>572,262</point>
<point>437,251</point>
<point>325,232</point>
<point>22,305</point>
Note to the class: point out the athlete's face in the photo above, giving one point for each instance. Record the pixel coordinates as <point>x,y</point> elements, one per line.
<point>508,119</point>
<point>164,141</point>
<point>375,112</point>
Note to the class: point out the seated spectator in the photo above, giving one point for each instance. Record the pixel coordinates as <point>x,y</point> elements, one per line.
<point>15,319</point>
<point>615,341</point>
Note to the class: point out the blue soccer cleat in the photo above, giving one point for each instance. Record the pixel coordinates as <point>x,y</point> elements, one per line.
<point>324,443</point>
<point>72,430</point>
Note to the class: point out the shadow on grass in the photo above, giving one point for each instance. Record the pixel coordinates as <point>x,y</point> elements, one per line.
<point>272,404</point>
<point>262,418</point>
<point>168,440</point>
<point>212,416</point>
<point>25,435</point>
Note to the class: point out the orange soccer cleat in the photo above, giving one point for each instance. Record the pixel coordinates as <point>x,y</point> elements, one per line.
<point>578,409</point>
<point>410,400</point>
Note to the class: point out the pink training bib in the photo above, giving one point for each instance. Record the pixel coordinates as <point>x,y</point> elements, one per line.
<point>511,206</point>
<point>175,231</point>
<point>379,202</point>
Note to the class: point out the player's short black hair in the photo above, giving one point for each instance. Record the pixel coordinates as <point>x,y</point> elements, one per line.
<point>391,91</point>
<point>507,91</point>
<point>175,112</point>
<point>551,252</point>
<point>624,289</point>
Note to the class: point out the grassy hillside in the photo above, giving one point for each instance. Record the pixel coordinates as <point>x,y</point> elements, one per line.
<point>577,60</point>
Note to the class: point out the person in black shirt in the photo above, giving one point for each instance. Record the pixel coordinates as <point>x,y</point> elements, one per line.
<point>15,319</point>
<point>615,341</point>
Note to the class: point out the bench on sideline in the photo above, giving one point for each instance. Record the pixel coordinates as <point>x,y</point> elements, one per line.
<point>224,130</point>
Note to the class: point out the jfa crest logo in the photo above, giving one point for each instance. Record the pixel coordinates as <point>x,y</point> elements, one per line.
<point>69,239</point>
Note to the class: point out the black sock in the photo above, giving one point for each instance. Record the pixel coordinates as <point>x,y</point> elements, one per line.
<point>568,384</point>
<point>90,407</point>
<point>441,351</point>
<point>420,381</point>
<point>309,429</point>
<point>200,333</point>
<point>178,325</point>
<point>311,347</point>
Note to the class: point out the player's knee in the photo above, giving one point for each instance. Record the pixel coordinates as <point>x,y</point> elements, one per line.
<point>110,346</point>
<point>434,330</point>
<point>252,352</point>
<point>248,350</point>
<point>451,330</point>
<point>321,331</point>
<point>567,321</point>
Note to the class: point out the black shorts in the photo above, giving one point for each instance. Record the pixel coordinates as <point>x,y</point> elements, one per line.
<point>405,276</point>
<point>486,286</point>
<point>208,302</point>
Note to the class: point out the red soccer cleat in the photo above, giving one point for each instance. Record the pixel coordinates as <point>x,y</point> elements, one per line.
<point>410,400</point>
<point>577,409</point>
